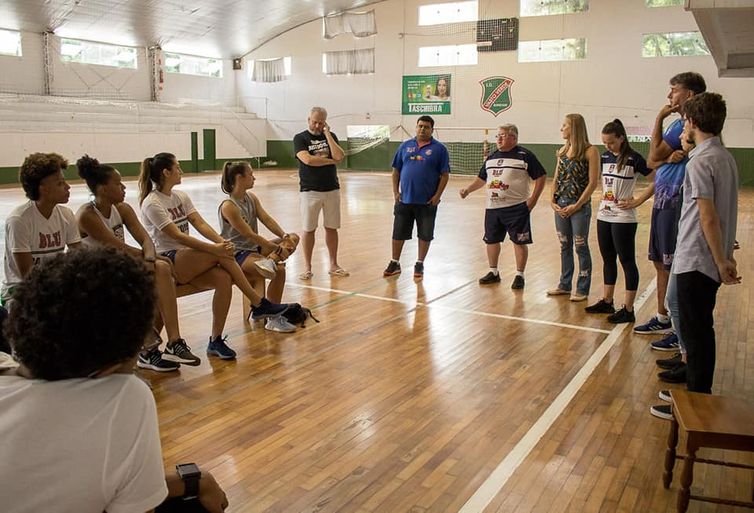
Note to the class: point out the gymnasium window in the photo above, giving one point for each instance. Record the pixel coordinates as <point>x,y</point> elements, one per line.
<point>552,50</point>
<point>663,3</point>
<point>348,62</point>
<point>451,12</point>
<point>274,69</point>
<point>453,55</point>
<point>10,42</point>
<point>87,52</point>
<point>673,44</point>
<point>551,7</point>
<point>193,65</point>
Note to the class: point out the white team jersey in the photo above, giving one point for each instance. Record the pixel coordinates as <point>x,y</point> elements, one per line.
<point>159,210</point>
<point>114,223</point>
<point>28,231</point>
<point>619,185</point>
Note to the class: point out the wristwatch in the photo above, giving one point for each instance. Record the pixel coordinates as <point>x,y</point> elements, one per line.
<point>190,475</point>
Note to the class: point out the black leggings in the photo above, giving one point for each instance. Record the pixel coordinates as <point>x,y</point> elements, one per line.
<point>617,240</point>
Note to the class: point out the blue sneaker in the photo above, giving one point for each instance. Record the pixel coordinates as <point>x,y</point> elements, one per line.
<point>267,309</point>
<point>654,327</point>
<point>219,348</point>
<point>669,343</point>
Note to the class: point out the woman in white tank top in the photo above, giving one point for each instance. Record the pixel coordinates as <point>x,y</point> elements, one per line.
<point>101,223</point>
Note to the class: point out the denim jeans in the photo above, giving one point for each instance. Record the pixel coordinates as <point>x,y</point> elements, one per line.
<point>574,230</point>
<point>671,303</point>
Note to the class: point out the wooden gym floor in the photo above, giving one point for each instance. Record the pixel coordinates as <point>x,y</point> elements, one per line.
<point>442,395</point>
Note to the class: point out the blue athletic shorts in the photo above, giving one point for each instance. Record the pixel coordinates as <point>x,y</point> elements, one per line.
<point>515,221</point>
<point>663,232</point>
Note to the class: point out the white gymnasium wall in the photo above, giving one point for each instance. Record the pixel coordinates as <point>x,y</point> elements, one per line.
<point>614,80</point>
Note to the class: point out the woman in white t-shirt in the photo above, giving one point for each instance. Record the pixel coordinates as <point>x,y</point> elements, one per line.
<point>167,214</point>
<point>101,222</point>
<point>617,222</point>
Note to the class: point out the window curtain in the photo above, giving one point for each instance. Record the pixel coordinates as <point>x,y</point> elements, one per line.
<point>360,24</point>
<point>268,70</point>
<point>353,62</point>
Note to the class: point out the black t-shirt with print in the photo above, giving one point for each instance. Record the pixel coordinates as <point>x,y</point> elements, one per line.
<point>313,178</point>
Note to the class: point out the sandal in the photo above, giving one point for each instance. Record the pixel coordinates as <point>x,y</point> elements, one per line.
<point>306,275</point>
<point>339,272</point>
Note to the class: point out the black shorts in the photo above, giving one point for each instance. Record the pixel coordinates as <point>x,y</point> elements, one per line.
<point>515,221</point>
<point>663,232</point>
<point>406,214</point>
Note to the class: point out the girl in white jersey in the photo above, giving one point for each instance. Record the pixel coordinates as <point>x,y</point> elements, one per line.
<point>101,223</point>
<point>167,215</point>
<point>616,221</point>
<point>238,216</point>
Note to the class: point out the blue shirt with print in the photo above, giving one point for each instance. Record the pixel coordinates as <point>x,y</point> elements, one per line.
<point>420,169</point>
<point>669,177</point>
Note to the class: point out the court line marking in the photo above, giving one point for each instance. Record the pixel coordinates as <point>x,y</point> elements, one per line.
<point>505,469</point>
<point>454,309</point>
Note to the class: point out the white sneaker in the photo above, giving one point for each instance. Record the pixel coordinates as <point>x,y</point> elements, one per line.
<point>266,267</point>
<point>279,324</point>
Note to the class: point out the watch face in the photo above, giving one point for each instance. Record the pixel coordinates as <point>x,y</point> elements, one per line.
<point>188,470</point>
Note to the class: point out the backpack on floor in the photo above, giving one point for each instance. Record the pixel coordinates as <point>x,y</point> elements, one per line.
<point>297,315</point>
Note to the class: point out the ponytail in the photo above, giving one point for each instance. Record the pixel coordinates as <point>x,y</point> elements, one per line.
<point>230,171</point>
<point>150,173</point>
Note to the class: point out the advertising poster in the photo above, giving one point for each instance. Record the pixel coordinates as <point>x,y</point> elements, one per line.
<point>426,94</point>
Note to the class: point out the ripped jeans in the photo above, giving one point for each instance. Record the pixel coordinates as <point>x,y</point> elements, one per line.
<point>574,231</point>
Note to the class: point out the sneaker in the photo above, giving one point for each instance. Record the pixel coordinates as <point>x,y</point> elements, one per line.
<point>489,278</point>
<point>578,296</point>
<point>279,324</point>
<point>180,352</point>
<point>267,309</point>
<point>669,343</point>
<point>662,411</point>
<point>266,267</point>
<point>392,269</point>
<point>669,363</point>
<point>557,291</point>
<point>665,396</point>
<point>518,282</point>
<point>600,307</point>
<point>654,327</point>
<point>153,360</point>
<point>622,316</point>
<point>675,375</point>
<point>219,348</point>
<point>419,270</point>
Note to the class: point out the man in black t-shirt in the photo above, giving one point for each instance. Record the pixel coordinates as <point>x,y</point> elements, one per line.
<point>317,152</point>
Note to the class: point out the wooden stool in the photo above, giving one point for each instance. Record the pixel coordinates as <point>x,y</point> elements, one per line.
<point>708,421</point>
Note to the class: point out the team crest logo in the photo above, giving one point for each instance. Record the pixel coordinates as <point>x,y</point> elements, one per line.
<point>496,94</point>
<point>428,153</point>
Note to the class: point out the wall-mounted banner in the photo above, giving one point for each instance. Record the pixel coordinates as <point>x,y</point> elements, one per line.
<point>496,94</point>
<point>426,94</point>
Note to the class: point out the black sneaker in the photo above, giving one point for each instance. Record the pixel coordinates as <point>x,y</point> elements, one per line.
<point>621,316</point>
<point>675,375</point>
<point>218,347</point>
<point>267,309</point>
<point>600,307</point>
<point>669,363</point>
<point>419,270</point>
<point>489,278</point>
<point>392,269</point>
<point>662,411</point>
<point>518,282</point>
<point>665,396</point>
<point>153,360</point>
<point>179,351</point>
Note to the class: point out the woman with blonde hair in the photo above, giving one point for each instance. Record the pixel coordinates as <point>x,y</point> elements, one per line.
<point>576,176</point>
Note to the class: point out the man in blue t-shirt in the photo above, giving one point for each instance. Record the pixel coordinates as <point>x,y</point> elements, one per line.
<point>668,160</point>
<point>507,174</point>
<point>421,167</point>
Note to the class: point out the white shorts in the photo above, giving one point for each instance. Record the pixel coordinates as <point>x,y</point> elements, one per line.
<point>312,202</point>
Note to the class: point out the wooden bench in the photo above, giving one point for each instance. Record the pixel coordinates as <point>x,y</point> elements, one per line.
<point>188,289</point>
<point>708,421</point>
